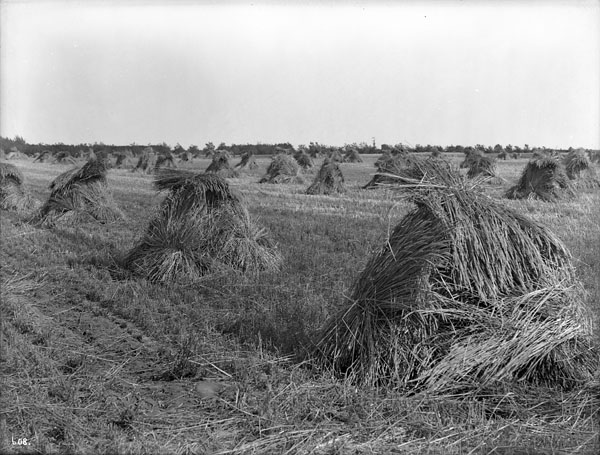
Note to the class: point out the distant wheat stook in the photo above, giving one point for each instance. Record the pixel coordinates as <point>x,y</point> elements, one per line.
<point>543,178</point>
<point>247,162</point>
<point>581,170</point>
<point>282,169</point>
<point>220,165</point>
<point>329,180</point>
<point>466,294</point>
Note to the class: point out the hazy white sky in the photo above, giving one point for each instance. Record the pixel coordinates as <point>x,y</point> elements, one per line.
<point>451,72</point>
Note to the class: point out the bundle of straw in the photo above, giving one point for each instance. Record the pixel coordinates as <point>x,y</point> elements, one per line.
<point>352,156</point>
<point>146,162</point>
<point>335,155</point>
<point>220,165</point>
<point>543,178</point>
<point>165,160</point>
<point>471,155</point>
<point>581,170</point>
<point>282,169</point>
<point>80,193</point>
<point>202,227</point>
<point>481,165</point>
<point>389,166</point>
<point>248,161</point>
<point>465,293</point>
<point>329,180</point>
<point>303,159</point>
<point>13,196</point>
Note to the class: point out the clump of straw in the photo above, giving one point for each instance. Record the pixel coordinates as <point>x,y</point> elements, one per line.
<point>543,178</point>
<point>165,160</point>
<point>282,169</point>
<point>471,154</point>
<point>247,161</point>
<point>352,156</point>
<point>481,165</point>
<point>465,294</point>
<point>80,193</point>
<point>220,165</point>
<point>581,170</point>
<point>13,196</point>
<point>124,159</point>
<point>303,159</point>
<point>389,165</point>
<point>45,157</point>
<point>329,180</point>
<point>146,161</point>
<point>186,157</point>
<point>335,155</point>
<point>201,227</point>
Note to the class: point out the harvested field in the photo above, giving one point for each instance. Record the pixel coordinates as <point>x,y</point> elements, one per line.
<point>102,360</point>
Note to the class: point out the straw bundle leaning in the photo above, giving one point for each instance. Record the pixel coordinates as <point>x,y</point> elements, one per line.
<point>282,169</point>
<point>303,159</point>
<point>45,157</point>
<point>335,155</point>
<point>165,160</point>
<point>543,178</point>
<point>13,196</point>
<point>247,161</point>
<point>146,161</point>
<point>392,164</point>
<point>352,156</point>
<point>201,227</point>
<point>465,294</point>
<point>220,165</point>
<point>124,159</point>
<point>329,180</point>
<point>80,194</point>
<point>481,165</point>
<point>471,154</point>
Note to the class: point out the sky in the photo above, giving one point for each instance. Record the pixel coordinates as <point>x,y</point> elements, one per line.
<point>333,72</point>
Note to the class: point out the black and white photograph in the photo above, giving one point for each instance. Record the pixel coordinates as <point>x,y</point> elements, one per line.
<point>300,227</point>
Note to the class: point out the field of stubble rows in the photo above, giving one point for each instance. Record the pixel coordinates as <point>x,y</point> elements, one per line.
<point>99,361</point>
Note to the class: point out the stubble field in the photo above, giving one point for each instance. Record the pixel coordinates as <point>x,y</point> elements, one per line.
<point>96,360</point>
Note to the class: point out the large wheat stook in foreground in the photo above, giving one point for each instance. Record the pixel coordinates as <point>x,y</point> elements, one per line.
<point>466,293</point>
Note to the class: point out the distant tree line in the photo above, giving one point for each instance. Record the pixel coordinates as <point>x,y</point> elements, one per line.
<point>313,148</point>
